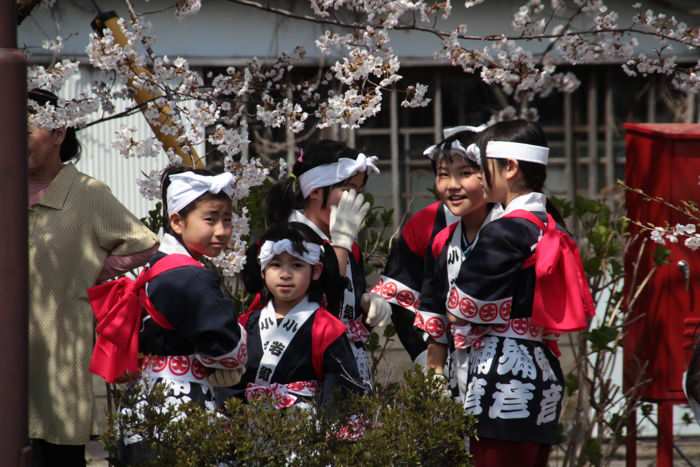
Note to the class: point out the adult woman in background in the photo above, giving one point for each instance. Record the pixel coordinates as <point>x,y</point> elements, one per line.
<point>79,233</point>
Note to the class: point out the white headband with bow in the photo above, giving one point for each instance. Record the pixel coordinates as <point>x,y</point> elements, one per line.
<point>270,249</point>
<point>330,174</point>
<point>186,187</point>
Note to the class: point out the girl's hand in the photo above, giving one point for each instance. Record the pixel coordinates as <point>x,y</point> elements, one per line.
<point>226,378</point>
<point>347,218</point>
<point>377,310</point>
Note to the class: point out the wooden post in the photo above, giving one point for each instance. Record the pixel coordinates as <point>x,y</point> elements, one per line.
<point>592,109</point>
<point>437,109</point>
<point>14,263</point>
<point>689,107</point>
<point>394,141</point>
<point>664,440</point>
<point>569,154</point>
<point>651,100</point>
<point>609,132</point>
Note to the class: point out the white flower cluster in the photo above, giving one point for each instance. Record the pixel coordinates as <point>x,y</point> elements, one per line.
<point>67,113</point>
<point>187,7</point>
<point>232,260</point>
<point>275,114</point>
<point>415,96</point>
<point>229,141</point>
<point>149,185</point>
<point>128,145</point>
<point>249,174</point>
<point>688,233</point>
<point>351,109</point>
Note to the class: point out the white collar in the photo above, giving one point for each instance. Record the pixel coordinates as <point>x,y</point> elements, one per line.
<point>171,245</point>
<point>303,305</point>
<point>533,202</point>
<point>298,216</point>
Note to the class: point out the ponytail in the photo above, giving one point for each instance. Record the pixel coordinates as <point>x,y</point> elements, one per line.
<point>556,215</point>
<point>282,198</point>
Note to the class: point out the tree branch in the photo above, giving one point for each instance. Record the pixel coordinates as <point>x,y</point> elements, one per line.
<point>443,34</point>
<point>24,9</point>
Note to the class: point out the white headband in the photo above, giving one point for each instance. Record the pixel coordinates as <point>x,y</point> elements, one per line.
<point>455,146</point>
<point>517,151</point>
<point>447,132</point>
<point>330,174</point>
<point>270,249</point>
<point>188,186</point>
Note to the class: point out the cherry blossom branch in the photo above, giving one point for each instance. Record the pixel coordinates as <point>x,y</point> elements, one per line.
<point>469,37</point>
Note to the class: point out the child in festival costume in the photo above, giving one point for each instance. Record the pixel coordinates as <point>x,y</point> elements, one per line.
<point>522,285</point>
<point>401,281</point>
<point>298,351</point>
<point>459,180</point>
<point>175,313</point>
<point>324,194</point>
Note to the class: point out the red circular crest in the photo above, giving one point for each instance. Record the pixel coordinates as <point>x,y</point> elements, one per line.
<point>534,330</point>
<point>505,309</point>
<point>435,327</point>
<point>206,360</point>
<point>158,363</point>
<point>199,371</point>
<point>467,307</point>
<point>460,341</point>
<point>418,322</point>
<point>229,362</point>
<point>179,365</point>
<point>519,325</point>
<point>389,290</point>
<point>453,299</point>
<point>488,312</point>
<point>406,298</point>
<point>378,287</point>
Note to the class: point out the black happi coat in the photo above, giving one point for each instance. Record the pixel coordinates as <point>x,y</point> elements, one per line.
<point>334,368</point>
<point>515,385</point>
<point>402,279</point>
<point>203,316</point>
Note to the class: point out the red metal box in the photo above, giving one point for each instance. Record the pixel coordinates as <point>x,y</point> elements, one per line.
<point>663,160</point>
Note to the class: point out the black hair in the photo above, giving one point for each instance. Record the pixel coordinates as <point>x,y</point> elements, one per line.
<point>465,138</point>
<point>285,196</point>
<point>70,148</point>
<point>533,174</point>
<point>165,183</point>
<point>327,290</point>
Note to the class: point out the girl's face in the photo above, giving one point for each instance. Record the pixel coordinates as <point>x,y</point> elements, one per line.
<point>459,186</point>
<point>323,213</point>
<point>288,278</point>
<point>207,229</point>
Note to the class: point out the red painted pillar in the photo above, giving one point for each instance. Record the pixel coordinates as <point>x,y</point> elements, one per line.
<point>664,446</point>
<point>14,450</point>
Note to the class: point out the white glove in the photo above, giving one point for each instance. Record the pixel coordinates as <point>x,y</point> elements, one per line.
<point>347,218</point>
<point>377,309</point>
<point>226,378</point>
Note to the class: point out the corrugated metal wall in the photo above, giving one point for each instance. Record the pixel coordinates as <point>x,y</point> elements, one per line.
<point>103,162</point>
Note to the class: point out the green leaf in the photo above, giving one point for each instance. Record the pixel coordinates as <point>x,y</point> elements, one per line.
<point>592,452</point>
<point>601,338</point>
<point>661,255</point>
<point>389,331</point>
<point>572,384</point>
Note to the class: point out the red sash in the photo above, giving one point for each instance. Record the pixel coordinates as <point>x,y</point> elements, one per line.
<point>562,300</point>
<point>117,306</point>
